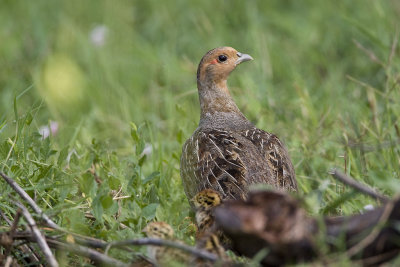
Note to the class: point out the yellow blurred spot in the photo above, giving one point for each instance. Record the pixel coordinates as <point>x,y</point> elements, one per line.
<point>62,81</point>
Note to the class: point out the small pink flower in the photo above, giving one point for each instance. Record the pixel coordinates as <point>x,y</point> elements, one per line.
<point>46,130</point>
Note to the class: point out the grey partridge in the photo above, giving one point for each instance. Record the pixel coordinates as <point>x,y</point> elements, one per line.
<point>227,153</point>
<point>204,202</point>
<point>210,242</point>
<point>208,236</point>
<point>162,255</point>
<point>168,256</point>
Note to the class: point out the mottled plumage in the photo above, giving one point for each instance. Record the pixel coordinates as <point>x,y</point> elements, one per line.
<point>208,235</point>
<point>163,255</point>
<point>211,242</point>
<point>204,203</point>
<point>168,256</point>
<point>227,153</point>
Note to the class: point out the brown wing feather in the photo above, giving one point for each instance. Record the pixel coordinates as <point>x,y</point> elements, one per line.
<point>275,155</point>
<point>211,159</point>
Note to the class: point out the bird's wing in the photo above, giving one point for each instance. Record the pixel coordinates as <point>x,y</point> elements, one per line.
<point>211,159</point>
<point>275,154</point>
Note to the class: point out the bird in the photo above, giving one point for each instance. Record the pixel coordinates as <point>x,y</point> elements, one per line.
<point>168,256</point>
<point>205,201</point>
<point>227,153</point>
<point>209,237</point>
<point>163,255</point>
<point>210,242</point>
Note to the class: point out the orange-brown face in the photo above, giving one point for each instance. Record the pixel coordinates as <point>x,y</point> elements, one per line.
<point>218,63</point>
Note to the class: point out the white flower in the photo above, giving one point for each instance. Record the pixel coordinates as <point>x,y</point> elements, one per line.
<point>45,130</point>
<point>148,149</point>
<point>98,35</point>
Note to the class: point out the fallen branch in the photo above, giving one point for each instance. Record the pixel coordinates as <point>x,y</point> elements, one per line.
<point>275,221</point>
<point>10,236</point>
<point>97,257</point>
<point>30,201</point>
<point>359,186</point>
<point>96,243</point>
<point>167,243</point>
<point>26,249</point>
<point>47,220</point>
<point>369,239</point>
<point>138,242</point>
<point>41,241</point>
<point>104,259</point>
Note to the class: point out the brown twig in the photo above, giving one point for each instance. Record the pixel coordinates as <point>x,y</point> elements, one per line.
<point>26,249</point>
<point>378,259</point>
<point>38,210</point>
<point>15,222</point>
<point>92,254</point>
<point>167,243</point>
<point>359,186</point>
<point>136,242</point>
<point>375,232</point>
<point>98,257</point>
<point>41,241</point>
<point>95,242</point>
<point>11,233</point>
<point>5,217</point>
<point>30,201</point>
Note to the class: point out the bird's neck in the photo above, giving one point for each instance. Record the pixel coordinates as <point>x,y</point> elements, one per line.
<point>216,103</point>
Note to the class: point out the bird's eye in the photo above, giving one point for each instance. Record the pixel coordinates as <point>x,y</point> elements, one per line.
<point>222,58</point>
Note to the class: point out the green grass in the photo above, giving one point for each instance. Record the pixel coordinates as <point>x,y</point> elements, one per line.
<point>325,79</point>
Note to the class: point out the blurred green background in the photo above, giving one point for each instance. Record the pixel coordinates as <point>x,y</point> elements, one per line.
<point>118,78</point>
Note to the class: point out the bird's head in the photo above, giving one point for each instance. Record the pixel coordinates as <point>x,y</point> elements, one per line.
<point>159,230</point>
<point>206,199</point>
<point>217,64</point>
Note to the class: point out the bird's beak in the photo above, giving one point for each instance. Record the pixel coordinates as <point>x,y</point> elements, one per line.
<point>242,58</point>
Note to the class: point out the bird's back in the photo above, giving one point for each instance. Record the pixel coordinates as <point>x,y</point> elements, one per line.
<point>228,161</point>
